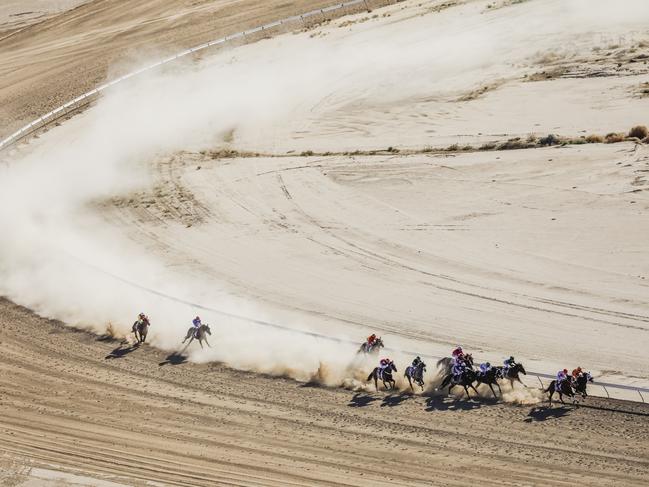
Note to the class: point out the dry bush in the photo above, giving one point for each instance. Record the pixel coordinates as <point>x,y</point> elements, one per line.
<point>615,137</point>
<point>452,147</point>
<point>550,139</point>
<point>306,153</point>
<point>488,146</point>
<point>594,139</point>
<point>639,132</point>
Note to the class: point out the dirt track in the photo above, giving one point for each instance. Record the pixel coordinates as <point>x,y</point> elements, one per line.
<point>66,402</point>
<point>70,401</point>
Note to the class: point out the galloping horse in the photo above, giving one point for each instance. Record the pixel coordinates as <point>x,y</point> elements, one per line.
<point>200,334</point>
<point>512,373</point>
<point>373,348</point>
<point>581,382</point>
<point>385,376</point>
<point>446,364</point>
<point>564,389</point>
<point>466,380</point>
<point>416,374</point>
<point>491,379</point>
<point>140,329</point>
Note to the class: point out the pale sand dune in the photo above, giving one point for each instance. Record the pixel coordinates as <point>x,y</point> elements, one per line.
<point>538,252</point>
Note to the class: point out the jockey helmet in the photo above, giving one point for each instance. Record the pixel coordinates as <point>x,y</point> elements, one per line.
<point>511,358</point>
<point>142,315</point>
<point>565,371</point>
<point>197,318</point>
<point>488,364</point>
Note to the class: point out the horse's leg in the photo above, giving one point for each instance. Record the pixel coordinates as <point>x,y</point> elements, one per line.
<point>410,382</point>
<point>492,391</point>
<point>476,390</point>
<point>208,343</point>
<point>376,381</point>
<point>466,389</point>
<point>561,398</point>
<point>499,389</point>
<point>200,342</point>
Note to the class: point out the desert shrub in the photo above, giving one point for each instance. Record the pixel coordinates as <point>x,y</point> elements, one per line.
<point>594,139</point>
<point>614,137</point>
<point>488,146</point>
<point>550,139</point>
<point>307,153</point>
<point>639,132</point>
<point>452,147</point>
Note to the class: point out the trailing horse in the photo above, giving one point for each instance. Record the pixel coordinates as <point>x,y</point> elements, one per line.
<point>512,374</point>
<point>416,374</point>
<point>200,334</point>
<point>581,382</point>
<point>491,379</point>
<point>373,348</point>
<point>446,364</point>
<point>140,329</point>
<point>385,376</point>
<point>466,380</point>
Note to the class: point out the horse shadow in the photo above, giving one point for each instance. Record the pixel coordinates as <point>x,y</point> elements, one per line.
<point>174,358</point>
<point>361,399</point>
<point>121,351</point>
<point>446,403</point>
<point>543,413</point>
<point>395,399</point>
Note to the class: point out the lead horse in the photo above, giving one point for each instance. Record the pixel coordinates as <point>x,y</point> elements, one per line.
<point>199,334</point>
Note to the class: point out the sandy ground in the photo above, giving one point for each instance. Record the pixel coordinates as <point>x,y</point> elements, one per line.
<point>66,405</point>
<point>503,250</point>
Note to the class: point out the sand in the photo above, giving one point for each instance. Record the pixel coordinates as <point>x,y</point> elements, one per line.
<point>539,252</point>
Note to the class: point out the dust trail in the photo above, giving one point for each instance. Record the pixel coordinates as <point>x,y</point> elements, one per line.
<point>54,200</point>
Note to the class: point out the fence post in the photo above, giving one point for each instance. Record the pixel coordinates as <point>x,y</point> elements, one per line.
<point>540,381</point>
<point>606,390</point>
<point>641,396</point>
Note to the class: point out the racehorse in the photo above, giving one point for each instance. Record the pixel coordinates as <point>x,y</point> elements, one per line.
<point>140,329</point>
<point>581,382</point>
<point>564,389</point>
<point>512,373</point>
<point>446,364</point>
<point>200,334</point>
<point>466,380</point>
<point>416,374</point>
<point>385,376</point>
<point>491,379</point>
<point>373,348</point>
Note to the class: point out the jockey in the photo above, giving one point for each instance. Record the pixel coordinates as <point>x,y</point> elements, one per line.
<point>485,368</point>
<point>459,367</point>
<point>417,361</point>
<point>143,319</point>
<point>508,364</point>
<point>371,339</point>
<point>576,373</point>
<point>197,325</point>
<point>384,364</point>
<point>458,353</point>
<point>562,375</point>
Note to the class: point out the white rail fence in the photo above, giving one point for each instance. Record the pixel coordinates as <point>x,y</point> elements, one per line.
<point>86,98</point>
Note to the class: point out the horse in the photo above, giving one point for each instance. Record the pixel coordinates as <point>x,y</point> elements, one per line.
<point>446,364</point>
<point>416,374</point>
<point>140,329</point>
<point>200,334</point>
<point>564,389</point>
<point>581,382</point>
<point>385,376</point>
<point>466,380</point>
<point>491,379</point>
<point>373,348</point>
<point>512,373</point>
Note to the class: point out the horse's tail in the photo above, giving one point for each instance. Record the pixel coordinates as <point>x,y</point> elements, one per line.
<point>445,381</point>
<point>369,377</point>
<point>550,387</point>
